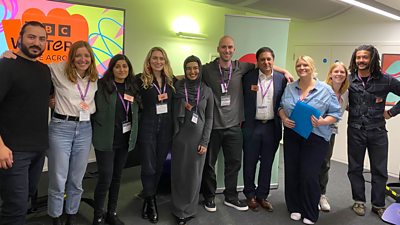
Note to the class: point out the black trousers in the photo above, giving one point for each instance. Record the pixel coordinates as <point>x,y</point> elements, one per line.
<point>110,165</point>
<point>303,160</point>
<point>259,145</point>
<point>326,165</point>
<point>231,141</point>
<point>153,155</point>
<point>376,141</point>
<point>18,184</point>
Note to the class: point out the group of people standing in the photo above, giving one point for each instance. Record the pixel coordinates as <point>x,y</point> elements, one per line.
<point>223,105</point>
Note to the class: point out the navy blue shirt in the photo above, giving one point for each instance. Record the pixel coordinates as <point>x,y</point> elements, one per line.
<point>367,100</point>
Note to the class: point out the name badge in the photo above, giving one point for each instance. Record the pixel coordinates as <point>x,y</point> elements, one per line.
<point>129,98</point>
<point>254,88</point>
<point>162,97</point>
<point>195,117</point>
<point>84,115</point>
<point>223,89</point>
<point>126,127</point>
<point>225,100</point>
<point>84,106</point>
<point>262,109</point>
<point>188,106</point>
<point>161,108</point>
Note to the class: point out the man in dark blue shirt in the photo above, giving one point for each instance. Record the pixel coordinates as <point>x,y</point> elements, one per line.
<point>368,90</point>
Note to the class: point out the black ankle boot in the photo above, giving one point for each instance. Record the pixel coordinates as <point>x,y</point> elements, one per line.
<point>98,220</point>
<point>112,219</point>
<point>144,209</point>
<point>71,219</point>
<point>152,212</point>
<point>56,221</point>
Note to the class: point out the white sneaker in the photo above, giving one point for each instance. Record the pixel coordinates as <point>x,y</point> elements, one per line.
<point>324,204</point>
<point>307,221</point>
<point>295,216</point>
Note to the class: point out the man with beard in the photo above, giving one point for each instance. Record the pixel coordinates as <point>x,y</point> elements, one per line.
<point>368,90</point>
<point>25,85</point>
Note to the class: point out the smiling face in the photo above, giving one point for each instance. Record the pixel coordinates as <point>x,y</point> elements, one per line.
<point>303,69</point>
<point>33,41</point>
<point>192,70</point>
<point>120,71</point>
<point>338,75</point>
<point>157,61</point>
<point>82,60</point>
<point>363,60</point>
<point>226,48</point>
<point>265,62</point>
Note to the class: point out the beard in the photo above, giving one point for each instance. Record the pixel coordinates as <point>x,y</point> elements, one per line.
<point>26,51</point>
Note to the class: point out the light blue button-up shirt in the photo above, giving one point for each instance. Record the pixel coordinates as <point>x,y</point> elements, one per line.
<point>321,97</point>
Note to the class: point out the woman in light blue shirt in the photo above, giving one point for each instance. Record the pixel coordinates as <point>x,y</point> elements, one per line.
<point>304,157</point>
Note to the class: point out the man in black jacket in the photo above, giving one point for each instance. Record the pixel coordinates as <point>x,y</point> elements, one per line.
<point>366,129</point>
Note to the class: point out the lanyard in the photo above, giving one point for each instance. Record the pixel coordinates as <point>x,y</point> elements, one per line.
<point>125,105</point>
<point>198,96</point>
<point>362,81</point>
<point>158,89</point>
<point>80,90</point>
<point>226,85</point>
<point>302,99</point>
<point>263,94</point>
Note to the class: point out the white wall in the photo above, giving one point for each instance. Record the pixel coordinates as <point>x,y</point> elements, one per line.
<point>335,38</point>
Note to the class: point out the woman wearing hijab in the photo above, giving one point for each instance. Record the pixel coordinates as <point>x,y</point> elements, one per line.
<point>193,116</point>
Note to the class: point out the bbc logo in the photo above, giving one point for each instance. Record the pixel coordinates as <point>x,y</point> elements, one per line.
<point>61,31</point>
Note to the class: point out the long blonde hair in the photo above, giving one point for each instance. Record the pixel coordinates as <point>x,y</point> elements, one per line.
<point>147,76</point>
<point>70,69</point>
<point>346,83</point>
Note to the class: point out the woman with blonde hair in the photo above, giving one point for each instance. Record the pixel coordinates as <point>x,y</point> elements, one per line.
<point>70,130</point>
<point>303,157</point>
<point>338,80</point>
<point>156,88</point>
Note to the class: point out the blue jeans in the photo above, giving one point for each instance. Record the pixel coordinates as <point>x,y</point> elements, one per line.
<point>18,184</point>
<point>68,155</point>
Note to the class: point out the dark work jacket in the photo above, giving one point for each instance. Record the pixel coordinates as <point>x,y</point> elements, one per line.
<point>250,101</point>
<point>367,104</point>
<point>152,126</point>
<point>104,118</point>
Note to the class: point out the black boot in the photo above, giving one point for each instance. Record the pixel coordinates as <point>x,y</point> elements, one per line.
<point>112,219</point>
<point>56,221</point>
<point>71,219</point>
<point>152,212</point>
<point>144,209</point>
<point>98,219</point>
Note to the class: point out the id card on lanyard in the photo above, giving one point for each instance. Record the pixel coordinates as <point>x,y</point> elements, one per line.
<point>225,97</point>
<point>126,124</point>
<point>263,109</point>
<point>84,113</point>
<point>189,107</point>
<point>162,107</point>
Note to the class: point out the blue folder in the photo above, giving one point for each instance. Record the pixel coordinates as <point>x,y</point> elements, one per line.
<point>301,115</point>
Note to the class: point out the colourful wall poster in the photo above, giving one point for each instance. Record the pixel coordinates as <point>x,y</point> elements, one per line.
<point>65,23</point>
<point>391,65</point>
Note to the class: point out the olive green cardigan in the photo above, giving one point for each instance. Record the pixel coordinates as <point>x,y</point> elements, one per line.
<point>104,118</point>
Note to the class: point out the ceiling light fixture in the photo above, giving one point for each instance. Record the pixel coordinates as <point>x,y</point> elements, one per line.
<point>371,8</point>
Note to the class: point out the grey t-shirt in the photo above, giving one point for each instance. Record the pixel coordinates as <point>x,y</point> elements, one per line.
<point>232,114</point>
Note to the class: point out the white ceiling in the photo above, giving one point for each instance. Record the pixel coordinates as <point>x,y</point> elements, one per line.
<point>307,10</point>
